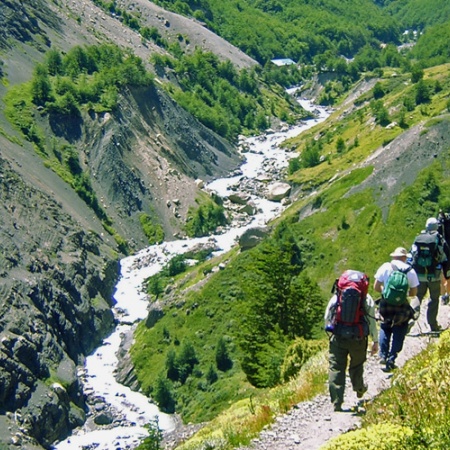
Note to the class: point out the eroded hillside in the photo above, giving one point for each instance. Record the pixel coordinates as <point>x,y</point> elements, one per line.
<point>59,265</point>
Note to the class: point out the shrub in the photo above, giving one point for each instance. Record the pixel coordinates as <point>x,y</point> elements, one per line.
<point>223,360</point>
<point>377,437</point>
<point>297,355</point>
<point>340,144</point>
<point>153,232</point>
<point>310,157</point>
<point>163,394</point>
<point>155,436</point>
<point>204,219</point>
<point>423,381</point>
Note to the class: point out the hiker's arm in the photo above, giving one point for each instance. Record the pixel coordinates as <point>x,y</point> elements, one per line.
<point>412,292</point>
<point>377,286</point>
<point>329,310</point>
<point>369,307</point>
<point>374,349</point>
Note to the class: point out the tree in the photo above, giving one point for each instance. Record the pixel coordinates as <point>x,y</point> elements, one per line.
<point>155,285</point>
<point>163,394</point>
<point>171,365</point>
<point>294,165</point>
<point>54,62</point>
<point>378,91</point>
<point>186,361</point>
<point>211,375</point>
<point>416,74</point>
<point>422,93</point>
<point>308,304</point>
<point>340,144</point>
<point>155,436</point>
<point>176,265</point>
<point>402,118</point>
<point>380,112</point>
<point>310,156</point>
<point>223,360</point>
<point>41,88</point>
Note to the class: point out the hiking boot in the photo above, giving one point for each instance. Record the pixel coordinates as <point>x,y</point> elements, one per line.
<point>436,327</point>
<point>337,407</point>
<point>362,391</point>
<point>382,360</point>
<point>390,366</point>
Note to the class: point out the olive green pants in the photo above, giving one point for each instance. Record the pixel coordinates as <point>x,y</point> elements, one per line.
<point>340,350</point>
<point>434,289</point>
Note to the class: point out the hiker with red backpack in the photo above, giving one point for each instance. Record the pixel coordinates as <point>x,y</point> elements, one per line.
<point>429,258</point>
<point>350,318</point>
<point>396,281</point>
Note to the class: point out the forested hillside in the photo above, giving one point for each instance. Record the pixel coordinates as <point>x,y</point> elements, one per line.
<point>416,14</point>
<point>294,29</point>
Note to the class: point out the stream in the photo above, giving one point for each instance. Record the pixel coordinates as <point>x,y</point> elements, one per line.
<point>135,409</point>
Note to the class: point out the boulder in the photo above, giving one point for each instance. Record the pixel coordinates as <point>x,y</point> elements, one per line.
<point>239,197</point>
<point>277,191</point>
<point>104,418</point>
<point>252,237</point>
<point>155,313</point>
<point>250,208</point>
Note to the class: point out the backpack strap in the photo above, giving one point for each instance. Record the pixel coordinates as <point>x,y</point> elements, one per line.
<point>405,271</point>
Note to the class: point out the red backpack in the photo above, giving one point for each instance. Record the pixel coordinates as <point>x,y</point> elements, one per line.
<point>349,317</point>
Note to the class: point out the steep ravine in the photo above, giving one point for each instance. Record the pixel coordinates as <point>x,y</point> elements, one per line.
<point>58,264</point>
<point>56,290</point>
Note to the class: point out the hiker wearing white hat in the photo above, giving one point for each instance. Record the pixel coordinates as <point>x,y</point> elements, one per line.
<point>396,281</point>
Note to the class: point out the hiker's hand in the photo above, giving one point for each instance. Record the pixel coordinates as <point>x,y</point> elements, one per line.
<point>374,349</point>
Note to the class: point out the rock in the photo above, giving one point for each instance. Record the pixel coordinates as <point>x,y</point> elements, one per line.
<point>155,313</point>
<point>200,183</point>
<point>104,418</point>
<point>252,237</point>
<point>250,208</point>
<point>241,198</point>
<point>277,191</point>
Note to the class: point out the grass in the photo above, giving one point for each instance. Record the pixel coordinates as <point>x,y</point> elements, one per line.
<point>245,419</point>
<point>392,422</point>
<point>360,123</point>
<point>335,230</point>
<point>414,412</point>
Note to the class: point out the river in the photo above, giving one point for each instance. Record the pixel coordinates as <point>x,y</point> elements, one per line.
<point>131,303</point>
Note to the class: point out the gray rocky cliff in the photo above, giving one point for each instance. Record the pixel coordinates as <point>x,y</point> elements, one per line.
<point>58,264</point>
<point>55,307</point>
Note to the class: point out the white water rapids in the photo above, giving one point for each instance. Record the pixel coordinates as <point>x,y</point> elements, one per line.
<point>131,303</point>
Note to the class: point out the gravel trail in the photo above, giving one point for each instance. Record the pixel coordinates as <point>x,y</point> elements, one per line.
<point>311,424</point>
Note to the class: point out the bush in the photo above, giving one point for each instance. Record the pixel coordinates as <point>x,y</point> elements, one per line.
<point>205,219</point>
<point>163,395</point>
<point>310,157</point>
<point>153,232</point>
<point>223,360</point>
<point>377,437</point>
<point>297,355</point>
<point>423,381</point>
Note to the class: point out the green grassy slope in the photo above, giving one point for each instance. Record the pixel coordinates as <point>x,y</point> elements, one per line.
<point>349,214</point>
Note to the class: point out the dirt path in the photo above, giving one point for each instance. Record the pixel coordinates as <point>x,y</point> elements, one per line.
<point>311,424</point>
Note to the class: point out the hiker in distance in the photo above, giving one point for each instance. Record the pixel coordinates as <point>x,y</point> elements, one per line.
<point>428,256</point>
<point>396,281</point>
<point>350,318</point>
